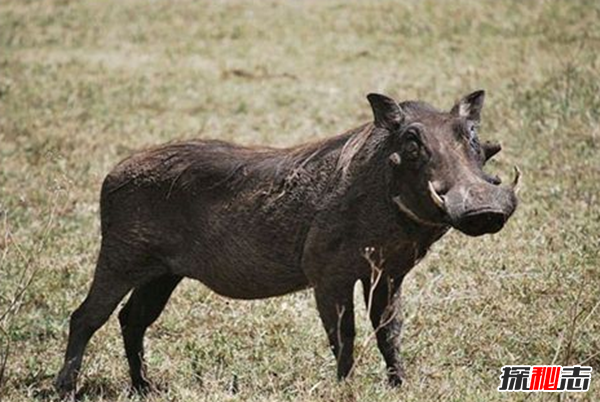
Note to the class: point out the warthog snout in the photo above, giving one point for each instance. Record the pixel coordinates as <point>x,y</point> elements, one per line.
<point>479,208</point>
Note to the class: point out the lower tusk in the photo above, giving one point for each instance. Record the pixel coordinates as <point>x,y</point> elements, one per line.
<point>515,183</point>
<point>437,200</point>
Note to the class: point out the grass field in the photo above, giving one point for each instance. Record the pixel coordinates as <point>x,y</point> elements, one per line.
<point>83,84</point>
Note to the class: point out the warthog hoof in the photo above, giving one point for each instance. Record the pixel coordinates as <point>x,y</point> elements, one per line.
<point>65,386</point>
<point>395,378</point>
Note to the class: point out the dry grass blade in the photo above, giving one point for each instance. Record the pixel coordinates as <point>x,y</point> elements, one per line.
<point>24,282</point>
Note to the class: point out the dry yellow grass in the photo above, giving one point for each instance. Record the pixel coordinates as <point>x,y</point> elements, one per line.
<point>83,83</point>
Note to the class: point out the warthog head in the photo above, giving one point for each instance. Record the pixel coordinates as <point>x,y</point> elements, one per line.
<point>437,163</point>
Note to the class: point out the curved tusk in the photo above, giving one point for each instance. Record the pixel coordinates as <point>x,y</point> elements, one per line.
<point>437,200</point>
<point>515,182</point>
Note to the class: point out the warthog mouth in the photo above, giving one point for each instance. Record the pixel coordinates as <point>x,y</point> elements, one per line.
<point>412,215</point>
<point>484,221</point>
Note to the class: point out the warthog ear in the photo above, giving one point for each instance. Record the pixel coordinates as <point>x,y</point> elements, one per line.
<point>490,149</point>
<point>386,111</point>
<point>470,106</point>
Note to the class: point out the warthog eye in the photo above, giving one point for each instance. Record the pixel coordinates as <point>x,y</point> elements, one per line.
<point>411,149</point>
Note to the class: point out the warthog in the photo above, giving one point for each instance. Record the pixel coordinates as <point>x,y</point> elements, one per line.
<point>253,223</point>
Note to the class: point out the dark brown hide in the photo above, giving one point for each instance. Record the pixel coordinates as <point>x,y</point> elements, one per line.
<point>261,222</point>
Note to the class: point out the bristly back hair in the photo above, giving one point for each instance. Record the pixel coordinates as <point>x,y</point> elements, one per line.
<point>356,141</point>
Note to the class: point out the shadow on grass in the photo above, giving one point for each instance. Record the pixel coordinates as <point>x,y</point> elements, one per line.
<point>92,389</point>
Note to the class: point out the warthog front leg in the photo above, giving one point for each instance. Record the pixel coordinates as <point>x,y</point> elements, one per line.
<point>383,302</point>
<point>336,309</point>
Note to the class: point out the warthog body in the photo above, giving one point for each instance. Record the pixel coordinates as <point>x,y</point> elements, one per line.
<point>261,222</point>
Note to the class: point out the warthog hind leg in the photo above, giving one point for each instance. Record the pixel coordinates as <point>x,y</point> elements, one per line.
<point>142,309</point>
<point>105,293</point>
